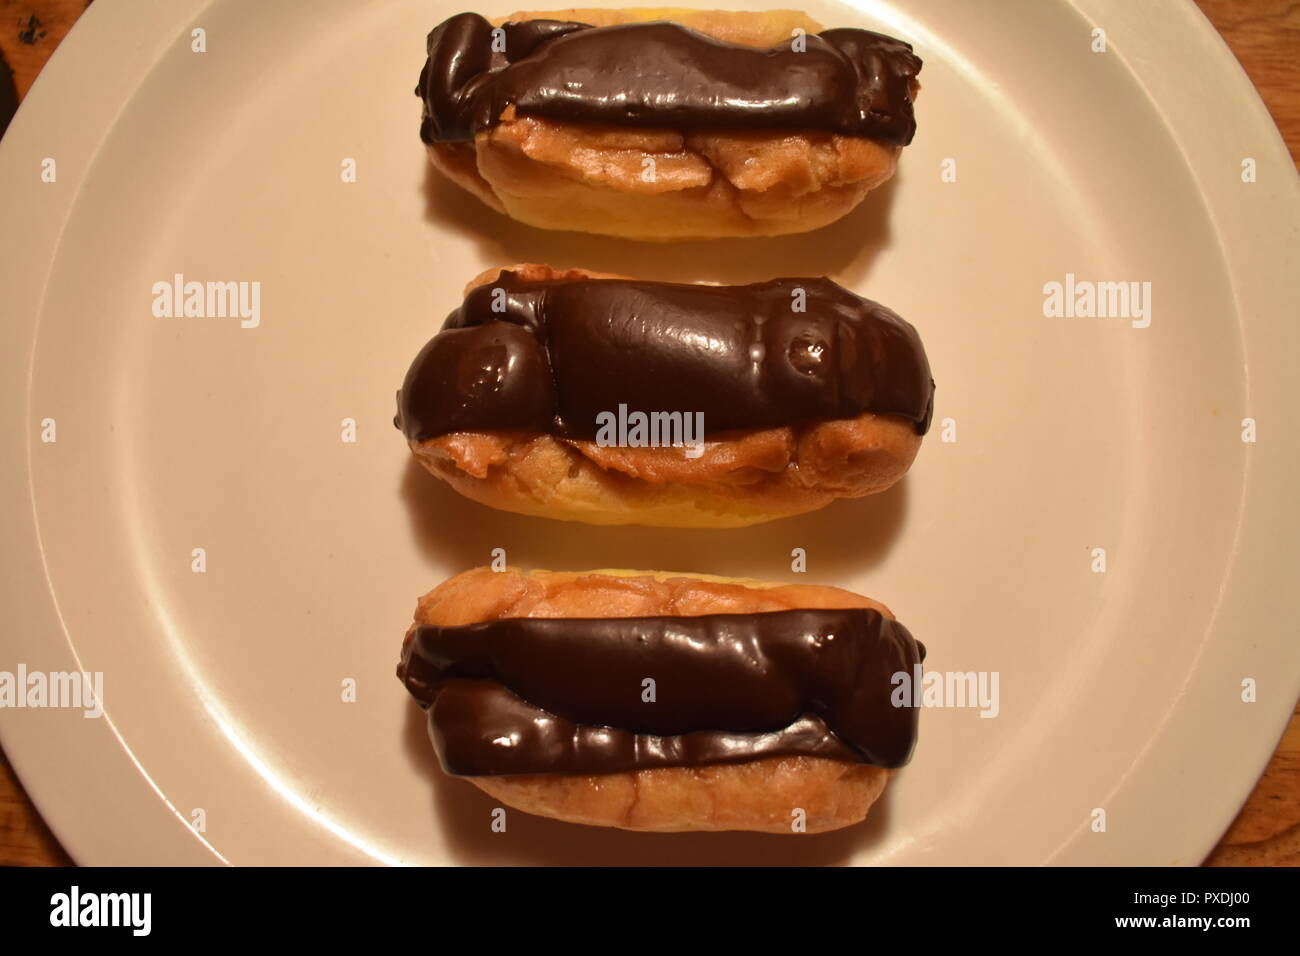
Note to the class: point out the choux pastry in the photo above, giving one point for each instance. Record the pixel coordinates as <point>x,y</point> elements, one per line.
<point>666,124</point>
<point>587,397</point>
<point>663,702</point>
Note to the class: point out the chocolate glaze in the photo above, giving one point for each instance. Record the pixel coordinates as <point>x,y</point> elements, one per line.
<point>536,695</point>
<point>664,75</point>
<point>551,355</point>
<point>481,728</point>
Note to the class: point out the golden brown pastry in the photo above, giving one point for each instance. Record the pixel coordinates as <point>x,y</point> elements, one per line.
<point>788,410</point>
<point>666,123</point>
<point>771,707</point>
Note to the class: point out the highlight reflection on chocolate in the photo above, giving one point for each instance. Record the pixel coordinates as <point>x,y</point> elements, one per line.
<point>538,695</point>
<point>664,75</point>
<point>551,355</point>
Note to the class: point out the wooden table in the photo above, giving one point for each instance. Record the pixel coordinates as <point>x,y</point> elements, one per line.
<point>1265,36</point>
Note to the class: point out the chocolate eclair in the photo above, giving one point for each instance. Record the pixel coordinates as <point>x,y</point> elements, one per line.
<point>594,398</point>
<point>656,701</point>
<point>666,124</point>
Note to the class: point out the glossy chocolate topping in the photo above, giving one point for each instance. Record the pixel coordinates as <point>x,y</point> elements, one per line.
<point>663,75</point>
<point>551,356</point>
<point>536,695</point>
<point>480,728</point>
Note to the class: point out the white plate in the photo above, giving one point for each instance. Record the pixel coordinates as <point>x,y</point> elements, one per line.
<point>1119,690</point>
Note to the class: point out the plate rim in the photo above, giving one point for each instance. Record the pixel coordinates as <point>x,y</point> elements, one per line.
<point>63,116</point>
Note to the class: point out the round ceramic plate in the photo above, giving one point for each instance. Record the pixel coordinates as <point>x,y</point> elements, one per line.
<point>1090,519</point>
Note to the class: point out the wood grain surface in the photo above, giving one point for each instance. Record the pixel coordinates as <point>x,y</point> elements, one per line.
<point>1264,35</point>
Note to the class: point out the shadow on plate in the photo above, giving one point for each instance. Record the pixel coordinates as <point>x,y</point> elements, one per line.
<point>846,537</point>
<point>844,249</point>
